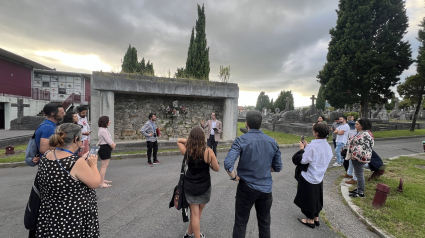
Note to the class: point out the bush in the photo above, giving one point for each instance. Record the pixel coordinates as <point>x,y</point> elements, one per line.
<point>356,115</point>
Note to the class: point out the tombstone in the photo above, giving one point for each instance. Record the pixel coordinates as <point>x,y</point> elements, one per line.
<point>335,114</point>
<point>277,110</point>
<point>290,116</point>
<point>287,104</point>
<point>26,123</point>
<point>402,116</point>
<point>396,103</point>
<point>264,111</point>
<point>10,150</point>
<point>383,114</point>
<point>20,105</point>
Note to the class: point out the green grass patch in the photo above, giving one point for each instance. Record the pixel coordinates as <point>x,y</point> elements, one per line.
<point>397,133</point>
<point>19,155</point>
<point>403,214</point>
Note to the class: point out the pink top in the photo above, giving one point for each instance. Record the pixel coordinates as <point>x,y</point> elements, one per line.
<point>104,136</point>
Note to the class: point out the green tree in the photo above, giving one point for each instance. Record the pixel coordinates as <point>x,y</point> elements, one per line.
<point>130,64</point>
<point>281,100</point>
<point>404,104</point>
<point>271,106</point>
<point>390,106</point>
<point>321,102</point>
<point>367,53</point>
<point>224,74</point>
<point>263,101</point>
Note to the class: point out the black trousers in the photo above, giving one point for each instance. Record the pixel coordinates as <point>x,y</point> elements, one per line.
<point>152,146</point>
<point>310,215</point>
<point>212,144</point>
<point>246,197</point>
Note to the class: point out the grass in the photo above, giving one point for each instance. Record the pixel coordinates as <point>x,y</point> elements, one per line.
<point>397,133</point>
<point>403,213</point>
<point>17,157</point>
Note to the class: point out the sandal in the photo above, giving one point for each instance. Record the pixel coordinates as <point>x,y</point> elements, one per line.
<point>107,181</point>
<point>105,185</point>
<point>311,225</point>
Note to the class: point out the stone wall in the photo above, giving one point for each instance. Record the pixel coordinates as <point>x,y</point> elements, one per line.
<point>132,110</point>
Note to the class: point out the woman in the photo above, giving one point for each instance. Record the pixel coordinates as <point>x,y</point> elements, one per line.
<point>106,146</point>
<point>70,117</point>
<point>352,124</point>
<point>317,155</point>
<point>360,152</point>
<point>321,120</point>
<point>67,182</point>
<point>197,183</point>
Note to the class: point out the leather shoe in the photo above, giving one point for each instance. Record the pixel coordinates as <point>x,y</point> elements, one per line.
<point>312,226</point>
<point>346,176</point>
<point>351,181</point>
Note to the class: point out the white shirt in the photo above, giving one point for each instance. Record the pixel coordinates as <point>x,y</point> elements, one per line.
<point>318,154</point>
<point>86,127</point>
<point>213,123</point>
<point>343,138</point>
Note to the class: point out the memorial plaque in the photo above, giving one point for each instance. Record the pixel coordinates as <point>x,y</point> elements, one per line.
<point>45,78</point>
<point>77,85</point>
<point>54,90</point>
<point>62,96</point>
<point>69,85</point>
<point>46,84</point>
<point>38,84</point>
<point>54,96</point>
<point>37,77</point>
<point>62,90</point>
<point>62,79</point>
<point>61,85</point>
<point>69,91</point>
<point>69,79</point>
<point>77,80</point>
<point>54,84</point>
<point>54,78</point>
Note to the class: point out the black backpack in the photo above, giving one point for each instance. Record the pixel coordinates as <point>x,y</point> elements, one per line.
<point>32,208</point>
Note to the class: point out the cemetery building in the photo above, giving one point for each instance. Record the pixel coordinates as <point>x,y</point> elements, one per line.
<point>26,86</point>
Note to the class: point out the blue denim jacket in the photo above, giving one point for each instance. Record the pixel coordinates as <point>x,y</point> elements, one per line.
<point>352,125</point>
<point>258,154</point>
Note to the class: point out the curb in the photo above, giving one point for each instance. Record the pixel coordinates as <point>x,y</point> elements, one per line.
<point>357,210</point>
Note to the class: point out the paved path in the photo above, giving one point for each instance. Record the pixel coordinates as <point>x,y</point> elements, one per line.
<point>137,204</point>
<point>6,134</point>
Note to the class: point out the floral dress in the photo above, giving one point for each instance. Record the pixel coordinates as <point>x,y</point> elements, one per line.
<point>68,207</point>
<point>360,146</point>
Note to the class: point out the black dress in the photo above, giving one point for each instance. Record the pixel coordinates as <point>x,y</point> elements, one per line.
<point>68,207</point>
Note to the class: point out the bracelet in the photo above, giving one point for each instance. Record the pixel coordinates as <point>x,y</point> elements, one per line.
<point>234,178</point>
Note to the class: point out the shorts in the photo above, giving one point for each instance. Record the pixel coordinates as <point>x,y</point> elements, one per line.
<point>105,152</point>
<point>201,199</point>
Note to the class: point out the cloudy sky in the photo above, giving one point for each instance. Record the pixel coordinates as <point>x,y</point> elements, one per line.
<point>269,45</point>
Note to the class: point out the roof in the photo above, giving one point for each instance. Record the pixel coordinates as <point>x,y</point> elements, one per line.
<point>54,72</point>
<point>17,58</point>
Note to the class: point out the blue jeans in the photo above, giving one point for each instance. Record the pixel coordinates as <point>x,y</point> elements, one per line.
<point>351,170</point>
<point>339,158</point>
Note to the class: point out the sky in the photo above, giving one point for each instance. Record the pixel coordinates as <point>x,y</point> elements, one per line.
<point>269,45</point>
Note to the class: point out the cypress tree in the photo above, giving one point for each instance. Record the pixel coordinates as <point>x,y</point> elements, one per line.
<point>191,54</point>
<point>201,63</point>
<point>321,102</point>
<point>367,53</point>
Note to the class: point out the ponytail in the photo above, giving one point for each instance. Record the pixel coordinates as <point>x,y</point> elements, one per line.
<point>57,139</point>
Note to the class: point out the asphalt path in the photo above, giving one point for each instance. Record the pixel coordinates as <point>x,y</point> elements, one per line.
<point>137,204</point>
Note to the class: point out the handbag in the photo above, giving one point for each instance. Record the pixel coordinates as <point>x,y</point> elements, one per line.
<point>158,132</point>
<point>178,200</point>
<point>32,208</point>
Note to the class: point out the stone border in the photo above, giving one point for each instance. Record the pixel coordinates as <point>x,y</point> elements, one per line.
<point>357,210</point>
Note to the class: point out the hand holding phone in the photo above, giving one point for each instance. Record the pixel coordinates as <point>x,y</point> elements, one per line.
<point>302,138</point>
<point>94,150</point>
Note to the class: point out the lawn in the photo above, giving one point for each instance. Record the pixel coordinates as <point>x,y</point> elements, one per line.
<point>397,133</point>
<point>403,214</point>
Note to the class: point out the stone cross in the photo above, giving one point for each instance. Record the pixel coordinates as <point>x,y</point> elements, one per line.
<point>312,99</point>
<point>396,101</point>
<point>20,105</point>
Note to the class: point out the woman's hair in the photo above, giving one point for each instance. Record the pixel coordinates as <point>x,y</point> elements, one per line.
<point>323,118</point>
<point>103,121</point>
<point>69,117</point>
<point>322,129</point>
<point>365,123</point>
<point>65,134</point>
<point>196,144</point>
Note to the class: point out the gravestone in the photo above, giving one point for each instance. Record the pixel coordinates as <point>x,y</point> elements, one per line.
<point>10,150</point>
<point>277,110</point>
<point>20,105</point>
<point>287,104</point>
<point>26,123</point>
<point>290,116</point>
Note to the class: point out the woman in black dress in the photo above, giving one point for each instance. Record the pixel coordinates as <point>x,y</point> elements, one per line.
<point>68,200</point>
<point>197,183</point>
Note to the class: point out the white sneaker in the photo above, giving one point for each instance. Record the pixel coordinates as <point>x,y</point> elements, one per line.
<point>336,164</point>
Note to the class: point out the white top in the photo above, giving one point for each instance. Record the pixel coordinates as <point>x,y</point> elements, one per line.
<point>86,127</point>
<point>343,138</point>
<point>213,123</point>
<point>318,154</point>
<point>104,136</point>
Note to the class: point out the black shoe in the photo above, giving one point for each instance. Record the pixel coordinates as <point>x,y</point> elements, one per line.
<point>317,223</point>
<point>356,195</point>
<point>312,226</point>
<point>353,191</point>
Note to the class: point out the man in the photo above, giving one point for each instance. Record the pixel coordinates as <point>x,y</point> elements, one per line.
<point>341,139</point>
<point>54,113</point>
<point>334,126</point>
<point>259,156</point>
<point>149,131</point>
<point>85,138</point>
<point>214,128</point>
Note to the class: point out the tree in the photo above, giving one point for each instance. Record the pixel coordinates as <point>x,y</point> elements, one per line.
<point>367,53</point>
<point>281,100</point>
<point>404,104</point>
<point>132,66</point>
<point>271,105</point>
<point>263,101</point>
<point>321,102</point>
<point>224,74</point>
<point>414,86</point>
<point>391,105</point>
<point>197,62</point>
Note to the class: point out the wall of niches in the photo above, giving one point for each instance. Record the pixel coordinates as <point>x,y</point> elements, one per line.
<point>131,113</point>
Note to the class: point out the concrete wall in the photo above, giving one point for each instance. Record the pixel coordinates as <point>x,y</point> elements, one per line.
<point>105,85</point>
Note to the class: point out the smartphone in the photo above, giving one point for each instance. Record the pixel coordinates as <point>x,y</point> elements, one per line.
<point>302,138</point>
<point>215,129</point>
<point>94,150</point>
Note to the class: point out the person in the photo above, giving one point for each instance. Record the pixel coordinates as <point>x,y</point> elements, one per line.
<point>351,123</point>
<point>321,120</point>
<point>341,139</point>
<point>66,184</point>
<point>259,155</point>
<point>54,113</point>
<point>335,125</point>
<point>376,166</point>
<point>215,127</point>
<point>197,183</point>
<point>360,152</point>
<point>82,120</point>
<point>149,131</point>
<point>70,117</point>
<point>317,155</point>
<point>106,146</point>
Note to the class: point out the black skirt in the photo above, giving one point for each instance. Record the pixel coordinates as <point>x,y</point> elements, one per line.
<point>309,196</point>
<point>105,152</point>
